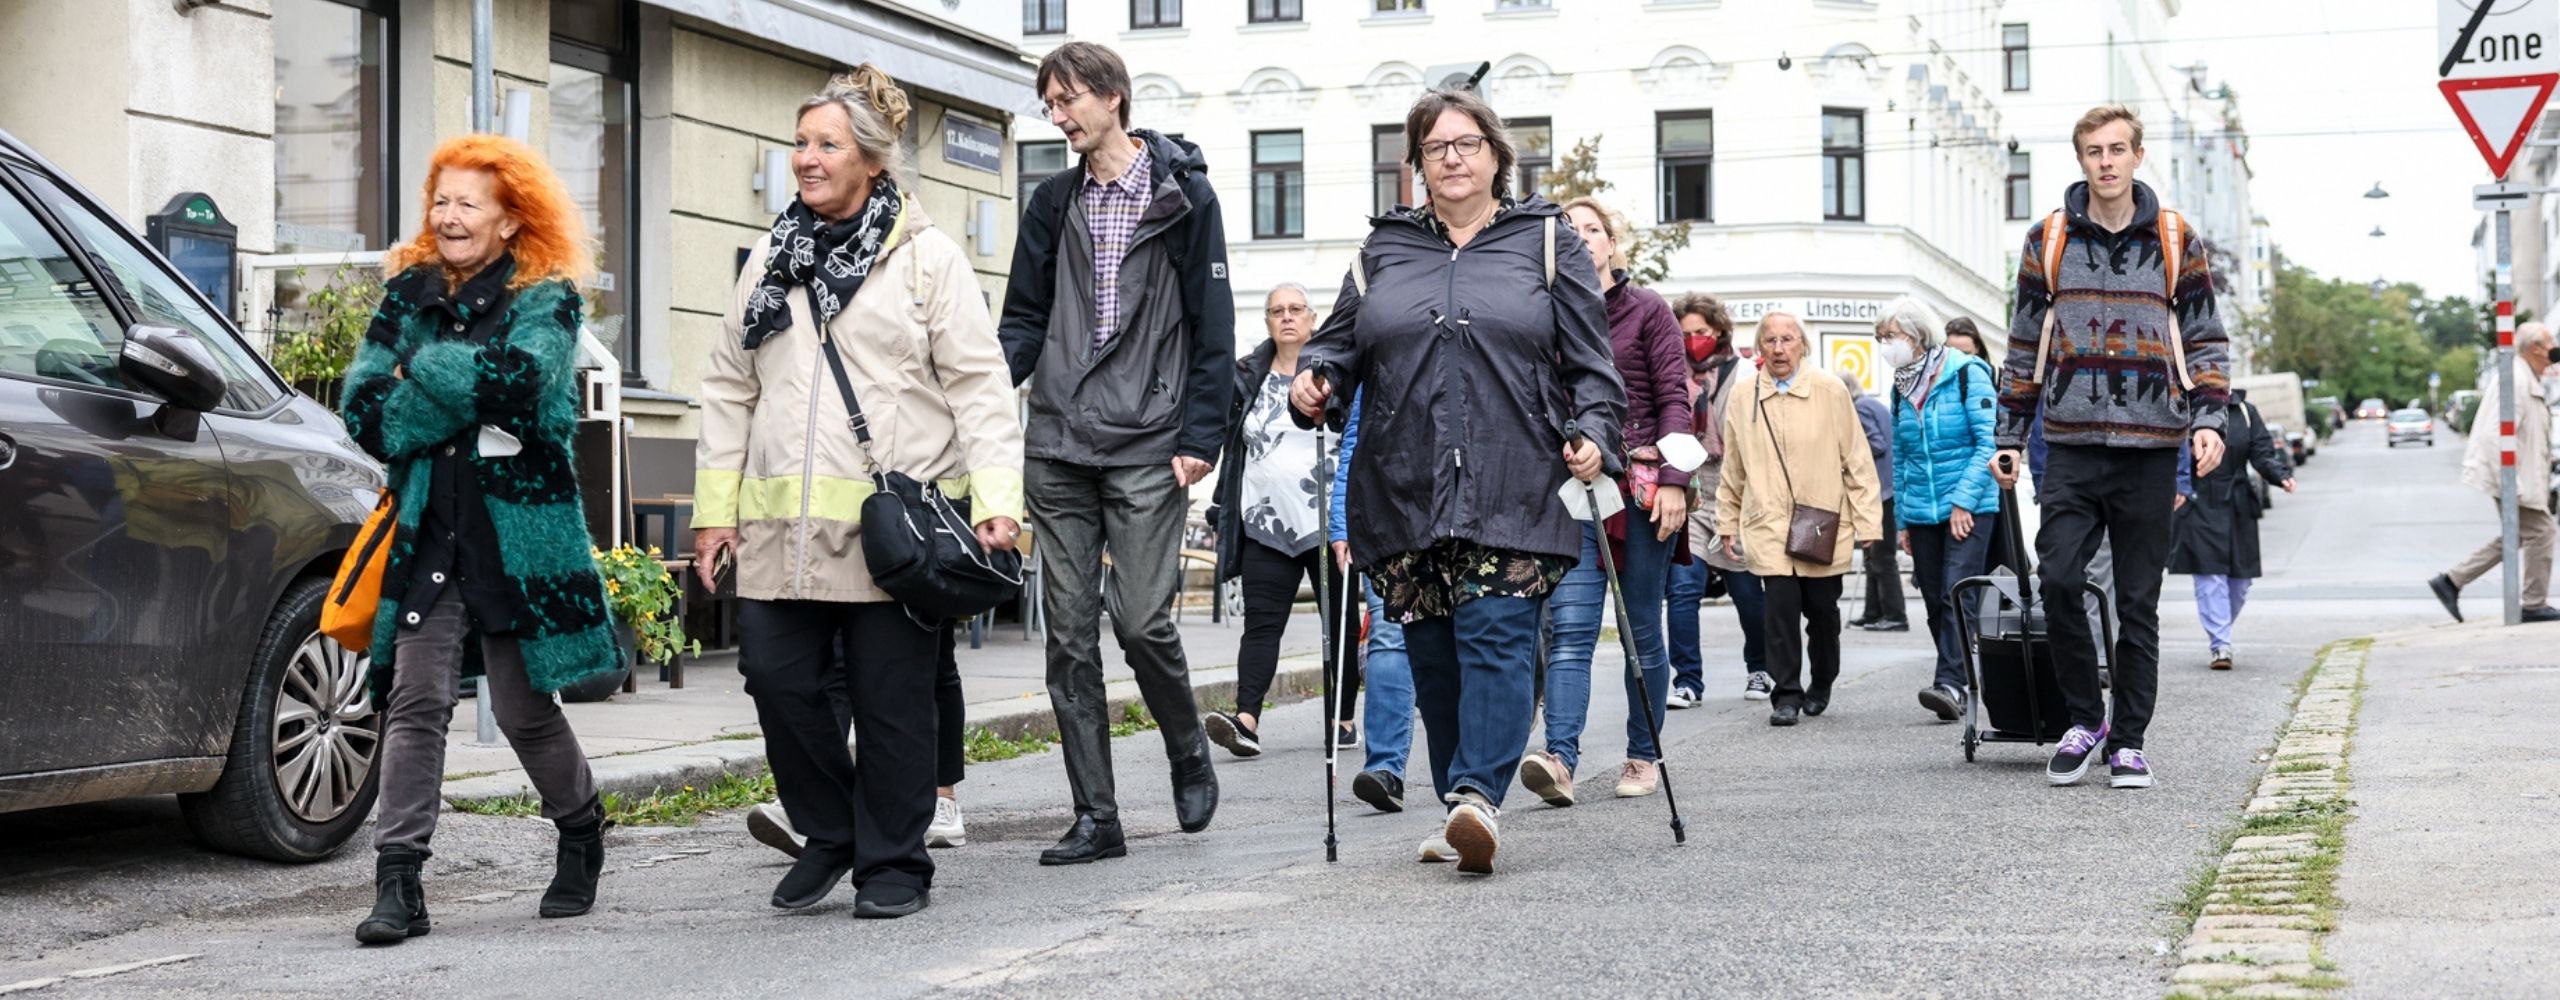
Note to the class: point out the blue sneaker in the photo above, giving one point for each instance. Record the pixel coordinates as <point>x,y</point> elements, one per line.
<point>2128,769</point>
<point>2071,759</point>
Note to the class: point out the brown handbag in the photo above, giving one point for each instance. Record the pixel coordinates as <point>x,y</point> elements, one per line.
<point>1813,534</point>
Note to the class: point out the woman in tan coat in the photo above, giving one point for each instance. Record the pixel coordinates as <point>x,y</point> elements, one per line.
<point>1792,438</point>
<point>780,478</point>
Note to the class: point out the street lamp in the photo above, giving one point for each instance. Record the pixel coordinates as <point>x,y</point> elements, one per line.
<point>2377,231</point>
<point>2377,191</point>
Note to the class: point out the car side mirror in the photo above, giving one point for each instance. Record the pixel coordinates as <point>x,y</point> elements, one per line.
<point>172,364</point>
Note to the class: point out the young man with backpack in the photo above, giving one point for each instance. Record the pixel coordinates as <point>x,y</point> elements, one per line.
<point>2114,338</point>
<point>1118,311</point>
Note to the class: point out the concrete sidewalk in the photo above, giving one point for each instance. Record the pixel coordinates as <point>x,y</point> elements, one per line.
<point>662,737</point>
<point>2451,881</point>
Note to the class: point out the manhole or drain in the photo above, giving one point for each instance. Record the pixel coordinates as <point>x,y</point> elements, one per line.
<point>2517,668</point>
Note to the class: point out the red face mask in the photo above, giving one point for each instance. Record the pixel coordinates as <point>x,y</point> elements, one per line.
<point>1701,346</point>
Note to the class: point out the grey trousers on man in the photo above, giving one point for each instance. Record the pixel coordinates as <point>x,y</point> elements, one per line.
<point>1137,512</point>
<point>427,667</point>
<point>2534,539</point>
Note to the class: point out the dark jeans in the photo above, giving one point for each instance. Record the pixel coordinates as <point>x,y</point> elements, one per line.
<point>1884,580</point>
<point>1814,601</point>
<point>1939,561</point>
<point>1749,605</point>
<point>419,710</point>
<point>1475,680</point>
<point>1684,593</point>
<point>1137,512</point>
<point>1270,581</point>
<point>869,808</point>
<point>1574,611</point>
<point>2125,496</point>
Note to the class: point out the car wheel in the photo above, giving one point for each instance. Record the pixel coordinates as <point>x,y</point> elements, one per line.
<point>302,770</point>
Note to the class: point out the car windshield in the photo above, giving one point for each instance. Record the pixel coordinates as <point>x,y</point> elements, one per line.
<point>2409,416</point>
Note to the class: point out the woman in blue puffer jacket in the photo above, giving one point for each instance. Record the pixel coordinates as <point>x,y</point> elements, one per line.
<point>1943,404</point>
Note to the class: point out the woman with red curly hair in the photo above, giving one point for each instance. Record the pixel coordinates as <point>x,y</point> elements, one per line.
<point>465,389</point>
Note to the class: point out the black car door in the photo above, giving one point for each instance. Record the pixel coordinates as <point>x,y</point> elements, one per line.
<point>111,531</point>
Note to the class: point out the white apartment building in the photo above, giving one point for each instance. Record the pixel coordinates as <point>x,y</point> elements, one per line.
<point>1829,154</point>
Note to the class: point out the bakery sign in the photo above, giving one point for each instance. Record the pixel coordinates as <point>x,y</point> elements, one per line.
<point>1810,310</point>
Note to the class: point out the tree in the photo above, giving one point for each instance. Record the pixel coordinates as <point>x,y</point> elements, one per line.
<point>2360,343</point>
<point>1649,251</point>
<point>2452,321</point>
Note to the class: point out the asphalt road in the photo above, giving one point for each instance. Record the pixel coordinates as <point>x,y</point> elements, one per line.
<point>1856,855</point>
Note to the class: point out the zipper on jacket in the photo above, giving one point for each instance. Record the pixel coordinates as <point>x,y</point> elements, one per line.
<point>808,469</point>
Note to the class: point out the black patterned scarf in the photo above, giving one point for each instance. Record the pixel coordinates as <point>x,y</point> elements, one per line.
<point>837,254</point>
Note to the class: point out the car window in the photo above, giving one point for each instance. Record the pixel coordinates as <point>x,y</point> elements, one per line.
<point>53,324</point>
<point>2409,415</point>
<point>159,297</point>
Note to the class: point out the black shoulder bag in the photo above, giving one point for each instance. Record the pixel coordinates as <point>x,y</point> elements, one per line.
<point>917,542</point>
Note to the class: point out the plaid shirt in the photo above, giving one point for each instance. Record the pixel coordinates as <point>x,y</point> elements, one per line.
<point>1114,209</point>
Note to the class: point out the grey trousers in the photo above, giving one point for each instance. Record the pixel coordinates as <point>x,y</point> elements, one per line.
<point>428,664</point>
<point>2534,537</point>
<point>1136,512</point>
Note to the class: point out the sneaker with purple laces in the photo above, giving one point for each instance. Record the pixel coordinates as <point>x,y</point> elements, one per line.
<point>2128,769</point>
<point>2071,760</point>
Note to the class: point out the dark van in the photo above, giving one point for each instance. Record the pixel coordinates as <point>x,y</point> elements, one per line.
<point>170,516</point>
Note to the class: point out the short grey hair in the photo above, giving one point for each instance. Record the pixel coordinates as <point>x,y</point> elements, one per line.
<point>878,108</point>
<point>1857,385</point>
<point>1288,286</point>
<point>2532,333</point>
<point>1774,315</point>
<point>1915,319</point>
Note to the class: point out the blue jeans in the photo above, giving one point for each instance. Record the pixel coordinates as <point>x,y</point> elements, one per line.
<point>1938,563</point>
<point>1389,718</point>
<point>1688,588</point>
<point>1575,619</point>
<point>1474,674</point>
<point>1747,596</point>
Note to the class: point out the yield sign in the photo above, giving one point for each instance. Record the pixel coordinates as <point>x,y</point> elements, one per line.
<point>2499,112</point>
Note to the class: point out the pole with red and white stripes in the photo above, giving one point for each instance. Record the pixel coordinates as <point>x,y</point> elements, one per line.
<point>2508,563</point>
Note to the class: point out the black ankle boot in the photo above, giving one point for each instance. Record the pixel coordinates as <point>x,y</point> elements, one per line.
<point>579,863</point>
<point>399,902</point>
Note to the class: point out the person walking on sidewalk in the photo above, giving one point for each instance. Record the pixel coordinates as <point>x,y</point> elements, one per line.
<point>464,388</point>
<point>1714,370</point>
<point>2534,529</point>
<point>1646,343</point>
<point>1963,337</point>
<point>1386,674</point>
<point>1882,563</point>
<point>1118,313</point>
<point>1481,355</point>
<point>1265,516</point>
<point>2217,522</point>
<point>771,826</point>
<point>1942,425</point>
<point>1797,476</point>
<point>855,303</point>
<point>2115,343</point>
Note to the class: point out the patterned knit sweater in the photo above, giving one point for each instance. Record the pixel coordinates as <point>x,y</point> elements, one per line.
<point>2109,378</point>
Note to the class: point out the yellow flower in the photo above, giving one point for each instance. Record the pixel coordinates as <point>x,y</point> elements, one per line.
<point>653,552</point>
<point>613,586</point>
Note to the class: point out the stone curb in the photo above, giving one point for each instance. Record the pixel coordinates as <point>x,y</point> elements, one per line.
<point>2260,931</point>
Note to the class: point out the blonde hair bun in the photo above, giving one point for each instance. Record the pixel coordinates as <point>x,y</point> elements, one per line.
<point>876,89</point>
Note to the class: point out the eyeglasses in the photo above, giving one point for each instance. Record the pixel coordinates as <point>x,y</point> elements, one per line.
<point>1064,100</point>
<point>1293,309</point>
<point>1466,145</point>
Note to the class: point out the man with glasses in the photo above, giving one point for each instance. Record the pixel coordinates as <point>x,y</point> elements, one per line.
<point>1118,312</point>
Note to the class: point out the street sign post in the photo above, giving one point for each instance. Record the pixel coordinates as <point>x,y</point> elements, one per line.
<point>2496,63</point>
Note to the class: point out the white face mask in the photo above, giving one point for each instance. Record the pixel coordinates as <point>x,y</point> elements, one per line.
<point>1897,353</point>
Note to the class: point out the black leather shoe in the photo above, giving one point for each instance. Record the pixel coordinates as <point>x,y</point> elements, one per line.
<point>2542,613</point>
<point>1195,792</point>
<point>1862,622</point>
<point>2447,593</point>
<point>1887,625</point>
<point>1784,714</point>
<point>810,880</point>
<point>884,901</point>
<point>1816,704</point>
<point>1087,841</point>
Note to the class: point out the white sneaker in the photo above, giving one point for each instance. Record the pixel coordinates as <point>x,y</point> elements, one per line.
<point>947,829</point>
<point>1759,685</point>
<point>772,828</point>
<point>1436,850</point>
<point>1471,830</point>
<point>1683,697</point>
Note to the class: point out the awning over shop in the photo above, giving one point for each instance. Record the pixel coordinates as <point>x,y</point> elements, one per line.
<point>920,53</point>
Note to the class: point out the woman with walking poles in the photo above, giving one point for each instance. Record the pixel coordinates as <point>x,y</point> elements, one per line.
<point>1943,401</point>
<point>1480,350</point>
<point>855,304</point>
<point>465,389</point>
<point>1646,344</point>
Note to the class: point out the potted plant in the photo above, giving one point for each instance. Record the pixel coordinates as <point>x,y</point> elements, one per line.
<point>313,355</point>
<point>641,594</point>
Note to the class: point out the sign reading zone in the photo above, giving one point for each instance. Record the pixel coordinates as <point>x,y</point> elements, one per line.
<point>2497,61</point>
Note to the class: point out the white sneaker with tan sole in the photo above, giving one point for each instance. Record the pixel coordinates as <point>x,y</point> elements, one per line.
<point>1471,830</point>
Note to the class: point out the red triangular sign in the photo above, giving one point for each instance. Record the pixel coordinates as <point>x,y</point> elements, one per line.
<point>2499,112</point>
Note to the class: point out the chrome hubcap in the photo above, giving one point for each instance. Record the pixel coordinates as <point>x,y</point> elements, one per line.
<point>326,731</point>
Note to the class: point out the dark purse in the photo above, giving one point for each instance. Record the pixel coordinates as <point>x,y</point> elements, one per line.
<point>918,543</point>
<point>1813,534</point>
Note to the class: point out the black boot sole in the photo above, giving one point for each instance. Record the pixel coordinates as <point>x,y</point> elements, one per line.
<point>550,912</point>
<point>373,933</point>
<point>1058,860</point>
<point>1948,709</point>
<point>869,910</point>
<point>1375,792</point>
<point>813,899</point>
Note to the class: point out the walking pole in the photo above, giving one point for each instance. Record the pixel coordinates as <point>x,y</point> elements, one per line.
<point>1326,631</point>
<point>1635,663</point>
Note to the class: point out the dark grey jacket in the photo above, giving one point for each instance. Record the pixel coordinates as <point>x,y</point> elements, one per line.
<point>1159,387</point>
<point>1476,373</point>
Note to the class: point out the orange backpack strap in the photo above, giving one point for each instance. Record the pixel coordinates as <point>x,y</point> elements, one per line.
<point>2057,230</point>
<point>2173,253</point>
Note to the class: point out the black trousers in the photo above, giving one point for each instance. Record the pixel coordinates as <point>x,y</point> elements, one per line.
<point>1815,602</point>
<point>870,809</point>
<point>2125,496</point>
<point>1270,580</point>
<point>1884,577</point>
<point>950,708</point>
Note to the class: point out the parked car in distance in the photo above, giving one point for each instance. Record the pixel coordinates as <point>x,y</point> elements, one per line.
<point>2278,397</point>
<point>2371,409</point>
<point>2335,413</point>
<point>2455,404</point>
<point>2411,424</point>
<point>170,516</point>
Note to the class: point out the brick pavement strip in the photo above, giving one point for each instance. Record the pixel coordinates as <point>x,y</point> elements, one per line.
<point>2259,932</point>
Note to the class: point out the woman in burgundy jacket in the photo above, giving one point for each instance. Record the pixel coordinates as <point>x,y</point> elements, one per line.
<point>1646,342</point>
